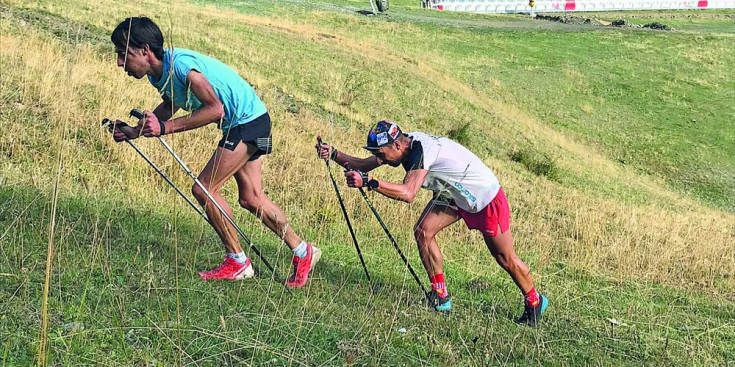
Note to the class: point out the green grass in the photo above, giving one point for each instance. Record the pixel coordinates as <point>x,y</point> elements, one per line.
<point>124,289</point>
<point>117,301</point>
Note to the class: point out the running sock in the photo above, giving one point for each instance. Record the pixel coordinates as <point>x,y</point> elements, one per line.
<point>531,298</point>
<point>240,257</point>
<point>300,250</point>
<point>438,285</point>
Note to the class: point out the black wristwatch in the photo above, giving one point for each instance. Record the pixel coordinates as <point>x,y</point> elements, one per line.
<point>373,184</point>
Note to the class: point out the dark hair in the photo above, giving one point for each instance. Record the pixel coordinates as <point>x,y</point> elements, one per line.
<point>142,31</point>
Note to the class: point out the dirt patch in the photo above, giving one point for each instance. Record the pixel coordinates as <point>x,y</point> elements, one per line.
<point>676,14</point>
<point>567,19</point>
<point>654,25</point>
<point>620,23</point>
<point>657,25</point>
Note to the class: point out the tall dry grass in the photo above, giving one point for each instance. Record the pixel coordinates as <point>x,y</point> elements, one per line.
<point>62,89</point>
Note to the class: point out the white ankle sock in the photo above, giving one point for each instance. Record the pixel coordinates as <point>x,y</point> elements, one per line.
<point>300,250</point>
<point>240,257</point>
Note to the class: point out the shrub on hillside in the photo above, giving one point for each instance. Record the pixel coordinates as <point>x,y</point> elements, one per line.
<point>538,163</point>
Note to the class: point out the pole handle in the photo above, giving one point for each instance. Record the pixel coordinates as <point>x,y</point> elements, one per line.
<point>137,113</point>
<point>319,141</point>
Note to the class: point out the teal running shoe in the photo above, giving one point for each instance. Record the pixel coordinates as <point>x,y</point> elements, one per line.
<point>439,303</point>
<point>532,315</point>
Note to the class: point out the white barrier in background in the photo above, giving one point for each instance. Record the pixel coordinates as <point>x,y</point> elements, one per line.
<point>549,6</point>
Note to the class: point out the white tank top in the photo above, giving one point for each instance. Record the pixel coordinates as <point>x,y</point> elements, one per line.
<point>453,171</point>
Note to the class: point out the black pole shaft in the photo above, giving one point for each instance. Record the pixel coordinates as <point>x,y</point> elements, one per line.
<point>347,218</point>
<point>392,240</point>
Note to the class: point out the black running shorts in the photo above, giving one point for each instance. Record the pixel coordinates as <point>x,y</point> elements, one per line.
<point>256,132</point>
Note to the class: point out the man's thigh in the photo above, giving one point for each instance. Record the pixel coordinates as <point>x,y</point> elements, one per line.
<point>436,217</point>
<point>223,164</point>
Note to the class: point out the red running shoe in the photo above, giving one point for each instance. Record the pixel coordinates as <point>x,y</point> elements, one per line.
<point>301,267</point>
<point>230,269</point>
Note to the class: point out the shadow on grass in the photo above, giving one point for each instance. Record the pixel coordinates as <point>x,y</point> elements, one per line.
<point>84,221</point>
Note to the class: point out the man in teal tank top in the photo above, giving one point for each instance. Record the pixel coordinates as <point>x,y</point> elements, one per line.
<point>213,93</point>
<point>241,104</point>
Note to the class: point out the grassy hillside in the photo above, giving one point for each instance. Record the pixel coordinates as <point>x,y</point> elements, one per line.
<point>622,205</point>
<point>602,87</point>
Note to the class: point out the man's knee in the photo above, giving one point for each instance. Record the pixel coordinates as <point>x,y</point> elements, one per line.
<point>199,194</point>
<point>419,233</point>
<point>250,203</point>
<point>423,234</point>
<point>506,260</point>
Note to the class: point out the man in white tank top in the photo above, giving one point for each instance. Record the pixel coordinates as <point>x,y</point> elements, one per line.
<point>464,187</point>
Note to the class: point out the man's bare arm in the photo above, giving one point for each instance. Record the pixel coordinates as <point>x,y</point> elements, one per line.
<point>361,164</point>
<point>165,110</point>
<point>405,191</point>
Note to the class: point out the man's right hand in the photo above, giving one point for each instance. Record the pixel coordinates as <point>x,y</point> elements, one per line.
<point>124,132</point>
<point>324,150</point>
<point>119,136</point>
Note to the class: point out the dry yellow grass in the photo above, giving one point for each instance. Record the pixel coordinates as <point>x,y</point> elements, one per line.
<point>670,239</point>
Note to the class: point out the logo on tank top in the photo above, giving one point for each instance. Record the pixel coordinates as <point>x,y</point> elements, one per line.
<point>466,193</point>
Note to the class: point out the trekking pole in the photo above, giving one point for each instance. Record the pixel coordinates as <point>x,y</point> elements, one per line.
<point>373,287</point>
<point>107,122</point>
<point>392,240</point>
<point>139,114</point>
